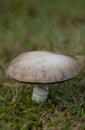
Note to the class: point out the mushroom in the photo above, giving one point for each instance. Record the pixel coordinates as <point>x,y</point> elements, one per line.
<point>42,68</point>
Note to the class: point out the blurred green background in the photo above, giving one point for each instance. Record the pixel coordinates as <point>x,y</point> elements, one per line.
<point>52,25</point>
<point>45,25</point>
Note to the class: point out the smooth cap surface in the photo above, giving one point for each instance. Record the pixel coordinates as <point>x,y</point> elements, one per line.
<point>43,67</point>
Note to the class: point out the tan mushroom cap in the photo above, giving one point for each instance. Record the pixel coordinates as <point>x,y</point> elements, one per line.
<point>42,67</point>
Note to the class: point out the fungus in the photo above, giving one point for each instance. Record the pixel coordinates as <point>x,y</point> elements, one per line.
<point>42,68</point>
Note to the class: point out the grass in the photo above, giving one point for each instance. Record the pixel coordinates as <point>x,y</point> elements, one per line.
<point>42,25</point>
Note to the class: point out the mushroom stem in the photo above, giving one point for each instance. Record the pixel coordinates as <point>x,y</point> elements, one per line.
<point>40,93</point>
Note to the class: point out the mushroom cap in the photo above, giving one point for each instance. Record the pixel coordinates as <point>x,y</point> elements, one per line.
<point>42,67</point>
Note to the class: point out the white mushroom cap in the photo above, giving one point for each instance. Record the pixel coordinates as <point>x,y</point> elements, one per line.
<point>43,67</point>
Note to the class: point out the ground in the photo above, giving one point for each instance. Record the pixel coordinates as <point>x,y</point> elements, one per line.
<point>55,26</point>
